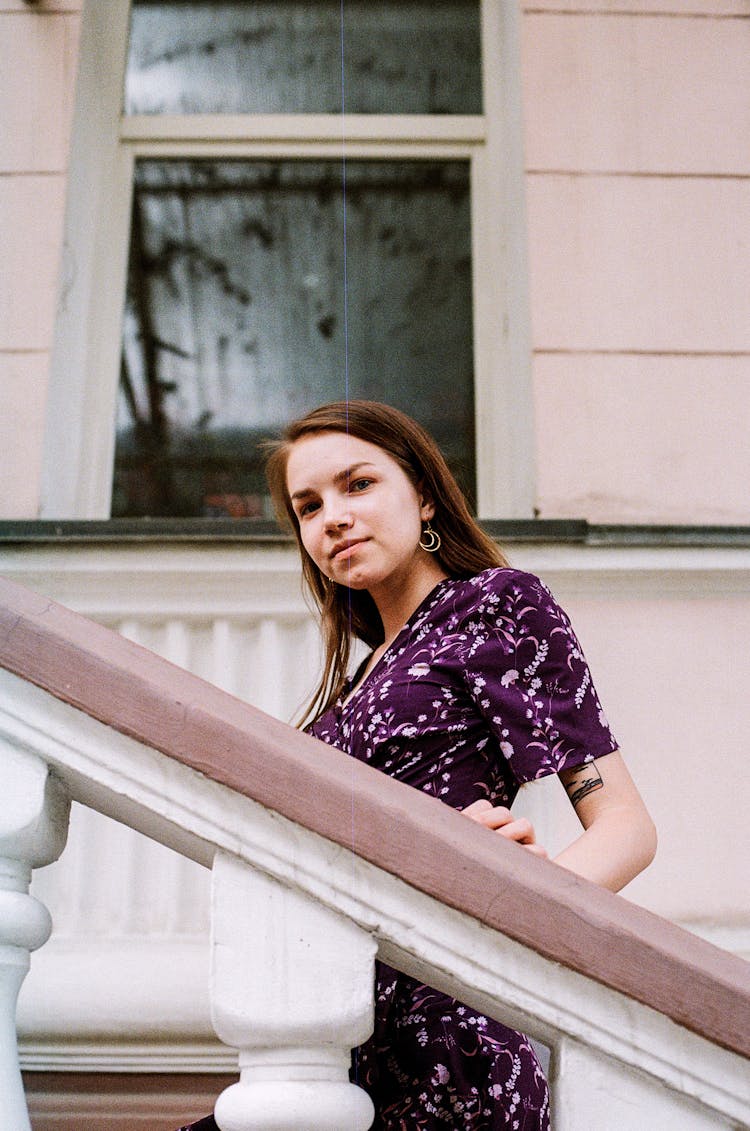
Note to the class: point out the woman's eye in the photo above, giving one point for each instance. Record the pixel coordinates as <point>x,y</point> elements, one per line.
<point>359,484</point>
<point>307,509</point>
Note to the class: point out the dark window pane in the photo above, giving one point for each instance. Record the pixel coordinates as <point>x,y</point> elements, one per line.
<point>290,56</point>
<point>236,319</point>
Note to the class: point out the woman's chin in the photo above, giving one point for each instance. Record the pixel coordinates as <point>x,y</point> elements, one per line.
<point>355,577</point>
<point>351,582</point>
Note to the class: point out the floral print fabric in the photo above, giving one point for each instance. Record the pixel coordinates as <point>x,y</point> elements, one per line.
<point>485,688</point>
<point>434,1063</point>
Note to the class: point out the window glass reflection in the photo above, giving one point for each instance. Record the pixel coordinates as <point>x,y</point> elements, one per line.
<point>292,56</point>
<point>243,312</point>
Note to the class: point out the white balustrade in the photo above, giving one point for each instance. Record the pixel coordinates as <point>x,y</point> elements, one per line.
<point>33,829</point>
<point>292,989</point>
<point>294,922</point>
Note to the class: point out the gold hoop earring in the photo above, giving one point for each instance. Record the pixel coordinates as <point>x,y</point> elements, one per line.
<point>430,540</point>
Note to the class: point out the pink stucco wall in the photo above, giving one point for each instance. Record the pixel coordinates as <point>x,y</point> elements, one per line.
<point>38,54</point>
<point>637,128</point>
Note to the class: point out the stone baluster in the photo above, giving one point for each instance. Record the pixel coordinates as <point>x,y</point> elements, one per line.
<point>33,829</point>
<point>292,990</point>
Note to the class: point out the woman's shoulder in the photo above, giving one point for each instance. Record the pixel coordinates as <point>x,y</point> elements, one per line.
<point>480,595</point>
<point>497,581</point>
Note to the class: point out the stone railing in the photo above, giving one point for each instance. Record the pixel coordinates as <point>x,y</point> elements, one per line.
<point>318,864</point>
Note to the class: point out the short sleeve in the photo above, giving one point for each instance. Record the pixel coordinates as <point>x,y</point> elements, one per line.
<point>527,674</point>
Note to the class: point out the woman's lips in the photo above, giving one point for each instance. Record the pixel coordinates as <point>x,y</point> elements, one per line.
<point>344,551</point>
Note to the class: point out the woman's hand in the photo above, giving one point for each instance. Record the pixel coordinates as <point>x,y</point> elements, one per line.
<point>500,819</point>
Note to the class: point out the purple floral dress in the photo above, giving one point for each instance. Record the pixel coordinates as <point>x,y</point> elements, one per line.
<point>484,688</point>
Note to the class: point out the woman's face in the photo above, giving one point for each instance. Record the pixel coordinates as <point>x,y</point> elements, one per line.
<point>360,516</point>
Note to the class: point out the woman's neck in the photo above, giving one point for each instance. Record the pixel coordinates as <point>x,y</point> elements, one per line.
<point>397,601</point>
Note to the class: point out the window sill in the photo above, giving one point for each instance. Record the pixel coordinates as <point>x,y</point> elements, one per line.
<point>253,531</point>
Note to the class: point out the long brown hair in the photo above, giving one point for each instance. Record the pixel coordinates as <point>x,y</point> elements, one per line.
<point>347,613</point>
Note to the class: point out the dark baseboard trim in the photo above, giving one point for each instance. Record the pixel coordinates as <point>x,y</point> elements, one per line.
<point>215,531</point>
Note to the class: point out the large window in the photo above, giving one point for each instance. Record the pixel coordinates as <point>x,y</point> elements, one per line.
<point>302,200</point>
<point>245,309</point>
<point>259,289</point>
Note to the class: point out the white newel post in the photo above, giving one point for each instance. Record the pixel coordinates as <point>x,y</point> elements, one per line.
<point>34,810</point>
<point>292,989</point>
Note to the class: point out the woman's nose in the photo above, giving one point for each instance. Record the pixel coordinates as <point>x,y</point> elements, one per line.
<point>337,518</point>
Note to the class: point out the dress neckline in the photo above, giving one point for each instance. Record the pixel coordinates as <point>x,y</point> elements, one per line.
<point>355,684</point>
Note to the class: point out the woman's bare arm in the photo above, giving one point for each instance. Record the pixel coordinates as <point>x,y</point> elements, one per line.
<point>619,838</point>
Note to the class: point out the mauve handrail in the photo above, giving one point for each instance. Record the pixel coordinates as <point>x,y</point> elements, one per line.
<point>395,827</point>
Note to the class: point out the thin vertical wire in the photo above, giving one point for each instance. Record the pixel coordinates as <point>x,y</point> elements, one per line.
<point>343,198</point>
<point>346,385</point>
<point>345,242</point>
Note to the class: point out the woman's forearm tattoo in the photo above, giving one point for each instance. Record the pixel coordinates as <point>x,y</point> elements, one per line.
<point>583,781</point>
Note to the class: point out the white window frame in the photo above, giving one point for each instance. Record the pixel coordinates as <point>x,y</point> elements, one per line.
<point>84,380</point>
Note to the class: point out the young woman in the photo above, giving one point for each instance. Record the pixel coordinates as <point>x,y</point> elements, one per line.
<point>474,684</point>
